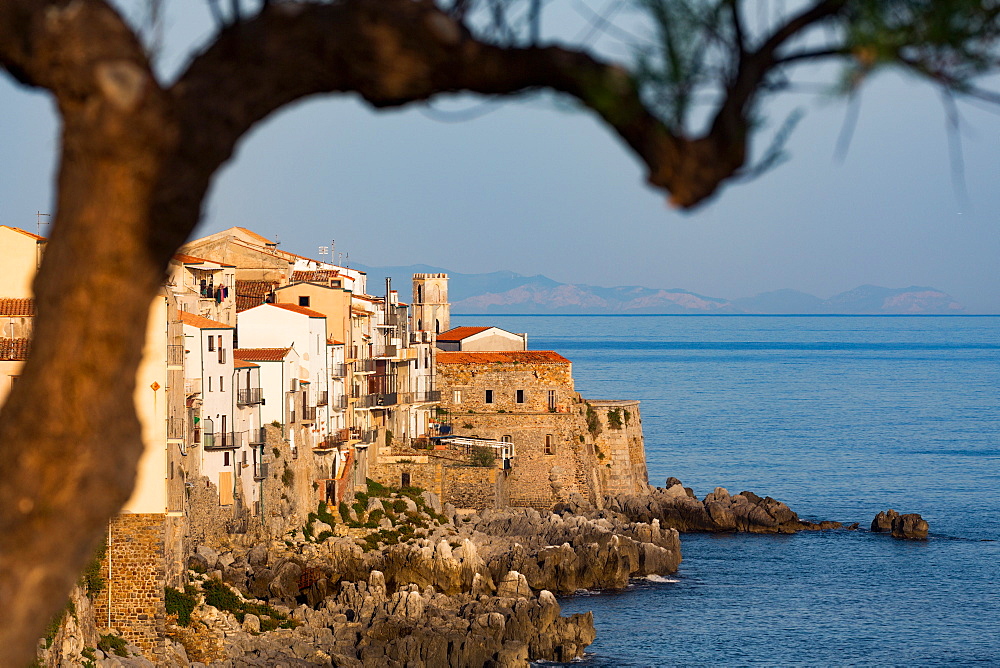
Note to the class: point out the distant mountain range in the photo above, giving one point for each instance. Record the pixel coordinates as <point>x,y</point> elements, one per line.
<point>503,292</point>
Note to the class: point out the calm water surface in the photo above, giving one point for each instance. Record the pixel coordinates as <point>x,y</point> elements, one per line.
<point>840,417</point>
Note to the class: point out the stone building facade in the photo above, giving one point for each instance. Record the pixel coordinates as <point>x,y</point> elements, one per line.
<point>527,398</point>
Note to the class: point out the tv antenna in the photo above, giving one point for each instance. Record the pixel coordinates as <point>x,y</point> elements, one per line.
<point>39,223</point>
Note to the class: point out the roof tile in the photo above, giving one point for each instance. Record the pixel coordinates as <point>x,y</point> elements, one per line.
<point>10,307</point>
<point>14,349</point>
<point>460,333</point>
<point>503,357</point>
<point>261,354</point>
<point>201,322</point>
<point>295,308</point>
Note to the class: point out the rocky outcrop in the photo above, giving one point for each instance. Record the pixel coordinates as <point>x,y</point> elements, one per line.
<point>364,624</point>
<point>406,581</point>
<point>910,526</point>
<point>677,507</point>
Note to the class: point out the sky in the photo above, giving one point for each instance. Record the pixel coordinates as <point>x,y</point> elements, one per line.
<point>536,187</point>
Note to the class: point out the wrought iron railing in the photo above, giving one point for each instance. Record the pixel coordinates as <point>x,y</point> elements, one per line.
<point>250,396</point>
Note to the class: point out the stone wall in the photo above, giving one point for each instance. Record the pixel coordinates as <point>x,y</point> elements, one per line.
<point>475,487</point>
<point>133,569</point>
<point>621,455</point>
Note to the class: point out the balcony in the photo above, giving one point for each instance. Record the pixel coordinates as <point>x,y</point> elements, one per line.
<point>259,470</point>
<point>250,396</point>
<point>427,397</point>
<point>308,414</point>
<point>175,429</point>
<point>225,440</point>
<point>258,436</point>
<point>384,351</point>
<point>334,440</point>
<point>339,403</point>
<point>377,400</point>
<point>322,398</point>
<point>364,366</point>
<point>338,370</point>
<point>175,356</point>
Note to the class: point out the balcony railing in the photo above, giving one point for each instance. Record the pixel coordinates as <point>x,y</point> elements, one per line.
<point>322,398</point>
<point>377,400</point>
<point>421,336</point>
<point>225,440</point>
<point>250,396</point>
<point>335,439</point>
<point>259,470</point>
<point>338,370</point>
<point>175,355</point>
<point>384,351</point>
<point>339,402</point>
<point>175,428</point>
<point>427,397</point>
<point>308,414</point>
<point>364,366</point>
<point>258,436</point>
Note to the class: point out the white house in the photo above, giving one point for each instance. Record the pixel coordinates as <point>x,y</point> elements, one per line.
<point>210,376</point>
<point>301,328</point>
<point>480,339</point>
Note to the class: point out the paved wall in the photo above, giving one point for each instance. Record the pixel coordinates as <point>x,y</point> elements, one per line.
<point>133,569</point>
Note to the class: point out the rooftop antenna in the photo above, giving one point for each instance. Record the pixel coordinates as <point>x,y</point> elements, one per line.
<point>324,250</point>
<point>38,221</point>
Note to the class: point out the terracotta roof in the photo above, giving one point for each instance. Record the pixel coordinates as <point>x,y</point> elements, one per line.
<point>200,322</point>
<point>295,308</point>
<point>191,259</point>
<point>13,349</point>
<point>503,357</point>
<point>261,354</point>
<point>243,364</point>
<point>317,276</point>
<point>24,232</point>
<point>459,333</point>
<point>333,342</point>
<point>17,307</point>
<point>252,293</point>
<point>256,237</point>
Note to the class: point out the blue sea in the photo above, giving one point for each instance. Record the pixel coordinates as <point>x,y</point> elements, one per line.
<point>839,417</point>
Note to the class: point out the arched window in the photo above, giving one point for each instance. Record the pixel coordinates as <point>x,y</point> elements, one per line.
<point>420,294</point>
<point>549,445</point>
<point>437,326</point>
<point>420,325</point>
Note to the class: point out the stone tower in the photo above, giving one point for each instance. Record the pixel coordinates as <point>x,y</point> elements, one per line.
<point>431,310</point>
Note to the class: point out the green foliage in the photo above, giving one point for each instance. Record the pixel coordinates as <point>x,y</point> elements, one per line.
<point>467,425</point>
<point>88,653</point>
<point>628,416</point>
<point>181,603</point>
<point>345,512</point>
<point>483,456</point>
<point>288,476</point>
<point>92,581</point>
<point>218,595</point>
<point>388,438</point>
<point>615,418</point>
<point>53,627</point>
<point>593,422</point>
<point>111,643</point>
<point>376,489</point>
<point>582,439</point>
<point>276,423</point>
<point>276,452</point>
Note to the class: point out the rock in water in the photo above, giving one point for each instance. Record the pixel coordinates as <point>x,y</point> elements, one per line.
<point>904,527</point>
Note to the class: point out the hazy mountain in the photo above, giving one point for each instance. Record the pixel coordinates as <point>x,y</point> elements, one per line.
<point>507,292</point>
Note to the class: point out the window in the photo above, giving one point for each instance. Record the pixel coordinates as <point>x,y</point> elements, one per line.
<point>222,352</point>
<point>506,438</point>
<point>225,458</point>
<point>404,480</point>
<point>456,396</point>
<point>244,458</point>
<point>489,396</point>
<point>211,344</point>
<point>220,385</point>
<point>552,400</point>
<point>209,383</point>
<point>549,446</point>
<point>303,300</point>
<point>519,396</point>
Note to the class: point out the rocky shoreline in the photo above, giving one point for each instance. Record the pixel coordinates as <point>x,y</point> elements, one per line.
<point>397,579</point>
